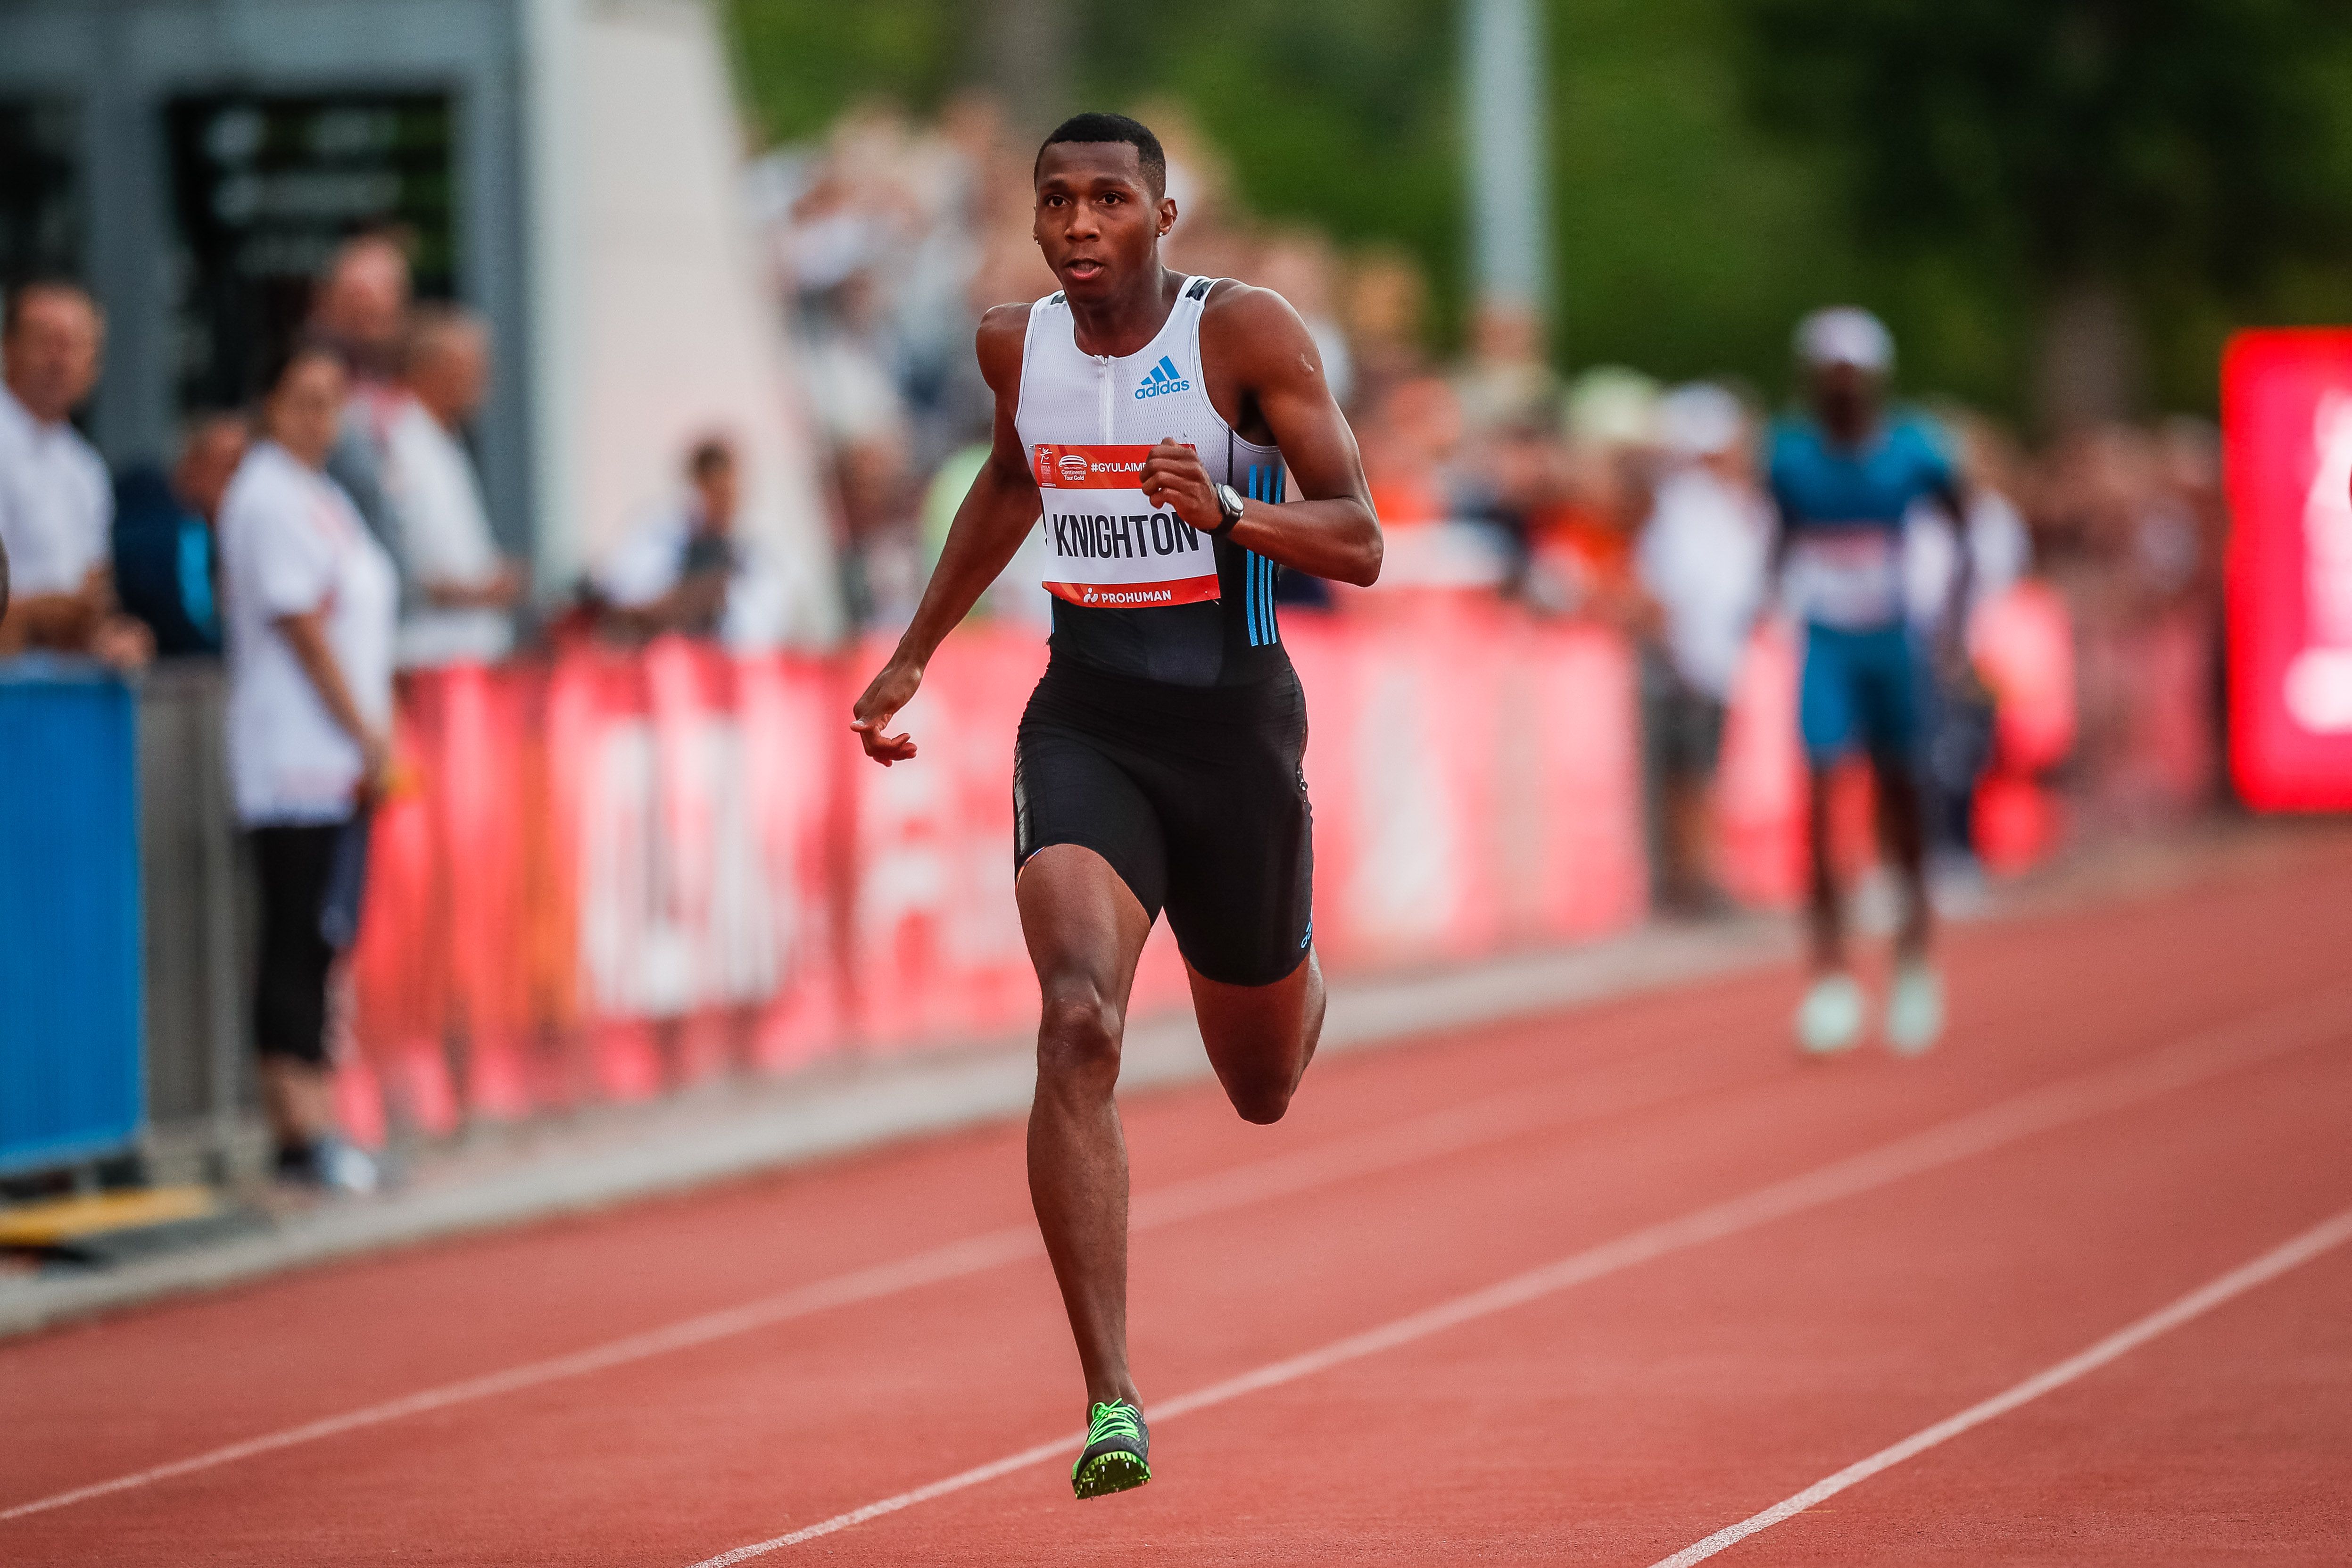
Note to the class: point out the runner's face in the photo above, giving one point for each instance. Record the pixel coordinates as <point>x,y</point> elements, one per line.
<point>1097,221</point>
<point>1845,400</point>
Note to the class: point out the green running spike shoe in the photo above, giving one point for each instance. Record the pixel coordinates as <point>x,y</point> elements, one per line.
<point>1117,1447</point>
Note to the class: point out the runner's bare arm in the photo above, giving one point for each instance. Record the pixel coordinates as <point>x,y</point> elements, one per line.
<point>995,516</point>
<point>1265,377</point>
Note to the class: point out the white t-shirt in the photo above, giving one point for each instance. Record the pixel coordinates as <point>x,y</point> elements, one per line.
<point>291,542</point>
<point>56,504</point>
<point>651,558</point>
<point>2000,550</point>
<point>445,537</point>
<point>1703,558</point>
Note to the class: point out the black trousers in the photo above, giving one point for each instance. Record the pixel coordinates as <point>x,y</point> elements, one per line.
<point>289,998</point>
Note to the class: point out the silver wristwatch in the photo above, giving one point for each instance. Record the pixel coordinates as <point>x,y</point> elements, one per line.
<point>1229,502</point>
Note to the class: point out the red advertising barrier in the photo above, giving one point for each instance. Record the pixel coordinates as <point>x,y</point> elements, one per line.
<point>615,874</point>
<point>2286,416</point>
<point>1759,779</point>
<point>1476,783</point>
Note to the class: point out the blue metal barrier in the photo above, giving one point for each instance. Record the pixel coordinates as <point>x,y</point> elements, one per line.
<point>70,1027</point>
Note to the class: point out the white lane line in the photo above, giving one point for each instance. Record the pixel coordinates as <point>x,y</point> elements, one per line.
<point>1491,1119</point>
<point>2208,1053</point>
<point>2311,1244</point>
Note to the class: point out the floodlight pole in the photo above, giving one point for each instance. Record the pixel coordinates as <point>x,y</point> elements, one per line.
<point>1507,123</point>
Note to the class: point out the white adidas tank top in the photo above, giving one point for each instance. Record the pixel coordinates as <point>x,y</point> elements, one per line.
<point>1089,420</point>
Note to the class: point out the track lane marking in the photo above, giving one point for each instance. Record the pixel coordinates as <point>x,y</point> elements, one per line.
<point>2319,1239</point>
<point>2314,1018</point>
<point>1493,1119</point>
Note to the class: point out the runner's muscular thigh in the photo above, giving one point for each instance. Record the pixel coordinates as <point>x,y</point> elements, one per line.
<point>1084,929</point>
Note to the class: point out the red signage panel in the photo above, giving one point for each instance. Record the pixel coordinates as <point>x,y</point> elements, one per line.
<point>2286,415</point>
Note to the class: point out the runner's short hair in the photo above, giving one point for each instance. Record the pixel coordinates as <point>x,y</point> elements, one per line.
<point>1094,127</point>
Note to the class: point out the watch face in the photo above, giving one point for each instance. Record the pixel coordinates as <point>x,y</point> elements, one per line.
<point>1230,499</point>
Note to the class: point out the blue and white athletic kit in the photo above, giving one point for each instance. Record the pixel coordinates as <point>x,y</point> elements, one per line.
<point>1169,732</point>
<point>1843,580</point>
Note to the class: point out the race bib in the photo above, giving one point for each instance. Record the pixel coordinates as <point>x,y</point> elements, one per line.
<point>1848,577</point>
<point>1110,550</point>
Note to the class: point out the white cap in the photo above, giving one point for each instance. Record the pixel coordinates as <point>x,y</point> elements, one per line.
<point>1845,334</point>
<point>1699,419</point>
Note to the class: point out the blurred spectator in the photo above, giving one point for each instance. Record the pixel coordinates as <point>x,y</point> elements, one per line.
<point>1993,548</point>
<point>360,311</point>
<point>683,569</point>
<point>2190,464</point>
<point>57,505</point>
<point>1386,299</point>
<point>1582,559</point>
<point>1435,534</point>
<point>312,603</point>
<point>165,557</point>
<point>1702,557</point>
<point>1409,440</point>
<point>1999,546</point>
<point>1018,594</point>
<point>459,589</point>
<point>1507,382</point>
<point>1298,265</point>
<point>2137,557</point>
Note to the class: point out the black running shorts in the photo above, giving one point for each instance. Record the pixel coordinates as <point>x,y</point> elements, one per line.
<point>1195,796</point>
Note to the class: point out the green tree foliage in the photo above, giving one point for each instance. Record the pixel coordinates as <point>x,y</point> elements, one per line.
<point>1337,112</point>
<point>1687,243</point>
<point>2187,153</point>
<point>1720,166</point>
<point>803,62</point>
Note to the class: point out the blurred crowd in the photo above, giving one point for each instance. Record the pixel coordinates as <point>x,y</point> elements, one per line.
<point>336,532</point>
<point>1607,497</point>
<point>317,543</point>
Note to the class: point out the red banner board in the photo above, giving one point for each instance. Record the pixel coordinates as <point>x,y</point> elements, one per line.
<point>619,873</point>
<point>2286,413</point>
<point>616,874</point>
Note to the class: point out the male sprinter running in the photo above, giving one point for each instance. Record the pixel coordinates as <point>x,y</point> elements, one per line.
<point>1842,482</point>
<point>1150,417</point>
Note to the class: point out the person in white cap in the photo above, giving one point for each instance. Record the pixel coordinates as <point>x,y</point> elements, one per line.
<point>1843,481</point>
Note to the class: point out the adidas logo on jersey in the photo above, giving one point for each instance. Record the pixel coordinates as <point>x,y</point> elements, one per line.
<point>1164,379</point>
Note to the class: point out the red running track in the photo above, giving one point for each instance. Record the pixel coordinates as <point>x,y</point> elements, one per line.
<point>1587,1287</point>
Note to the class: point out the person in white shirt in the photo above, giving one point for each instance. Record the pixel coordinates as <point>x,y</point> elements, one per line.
<point>684,570</point>
<point>56,503</point>
<point>359,308</point>
<point>461,590</point>
<point>1999,551</point>
<point>1702,557</point>
<point>312,603</point>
